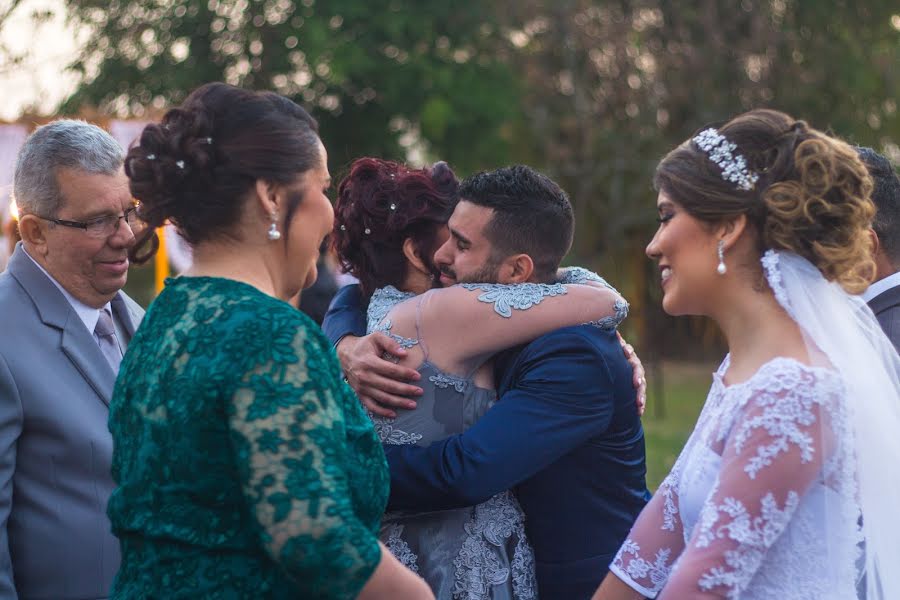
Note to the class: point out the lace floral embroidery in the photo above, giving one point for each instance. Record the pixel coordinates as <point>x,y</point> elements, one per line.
<point>670,509</point>
<point>524,582</point>
<point>388,434</point>
<point>760,544</point>
<point>399,548</point>
<point>478,565</point>
<point>611,322</point>
<point>381,303</point>
<point>521,296</point>
<point>753,535</point>
<point>286,465</point>
<point>405,343</point>
<point>582,275</point>
<point>773,275</point>
<point>443,380</point>
<point>639,569</point>
<point>782,418</point>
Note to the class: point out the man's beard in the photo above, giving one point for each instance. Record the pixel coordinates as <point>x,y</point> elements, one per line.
<point>488,273</point>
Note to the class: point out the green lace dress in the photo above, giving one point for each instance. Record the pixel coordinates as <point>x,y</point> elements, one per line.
<point>246,467</point>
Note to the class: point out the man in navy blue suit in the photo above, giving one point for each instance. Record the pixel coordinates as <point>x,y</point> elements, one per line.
<point>565,434</point>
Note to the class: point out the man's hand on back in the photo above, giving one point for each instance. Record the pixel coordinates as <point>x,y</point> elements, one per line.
<point>640,381</point>
<point>380,384</point>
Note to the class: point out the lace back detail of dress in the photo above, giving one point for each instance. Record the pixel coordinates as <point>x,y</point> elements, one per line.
<point>480,564</point>
<point>487,541</point>
<point>381,303</point>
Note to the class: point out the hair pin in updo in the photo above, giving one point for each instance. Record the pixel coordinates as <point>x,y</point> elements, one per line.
<point>367,231</point>
<point>722,152</point>
<point>343,227</point>
<point>393,206</point>
<point>179,164</point>
<point>151,157</point>
<point>207,141</point>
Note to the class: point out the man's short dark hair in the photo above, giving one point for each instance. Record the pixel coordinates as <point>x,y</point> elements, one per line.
<point>532,215</point>
<point>886,196</point>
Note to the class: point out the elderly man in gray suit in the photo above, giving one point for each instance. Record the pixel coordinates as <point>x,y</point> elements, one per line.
<point>65,325</point>
<point>883,296</point>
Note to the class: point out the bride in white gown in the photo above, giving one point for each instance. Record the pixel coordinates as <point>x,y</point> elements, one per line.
<point>789,485</point>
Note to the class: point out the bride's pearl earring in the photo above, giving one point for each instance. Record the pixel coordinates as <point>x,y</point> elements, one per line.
<point>273,234</point>
<point>721,269</point>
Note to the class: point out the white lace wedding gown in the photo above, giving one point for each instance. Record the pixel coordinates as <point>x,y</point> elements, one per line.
<point>743,512</point>
<point>788,487</point>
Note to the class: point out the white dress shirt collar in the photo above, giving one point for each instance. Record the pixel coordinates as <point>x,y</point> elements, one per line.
<point>88,314</point>
<point>879,287</point>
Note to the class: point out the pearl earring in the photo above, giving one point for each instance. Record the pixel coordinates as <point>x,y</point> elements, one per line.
<point>721,269</point>
<point>273,234</point>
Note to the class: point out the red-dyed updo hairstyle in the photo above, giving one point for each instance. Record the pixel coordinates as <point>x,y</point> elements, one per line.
<point>380,204</point>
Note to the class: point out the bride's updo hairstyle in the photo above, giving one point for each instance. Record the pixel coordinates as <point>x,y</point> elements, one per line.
<point>810,196</point>
<point>197,166</point>
<point>380,204</point>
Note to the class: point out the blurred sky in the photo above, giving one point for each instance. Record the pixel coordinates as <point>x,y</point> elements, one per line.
<point>41,79</point>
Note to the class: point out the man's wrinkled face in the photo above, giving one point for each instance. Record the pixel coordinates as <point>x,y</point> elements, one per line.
<point>92,270</point>
<point>467,256</point>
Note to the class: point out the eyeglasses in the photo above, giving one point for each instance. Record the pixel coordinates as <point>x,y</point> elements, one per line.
<point>103,227</point>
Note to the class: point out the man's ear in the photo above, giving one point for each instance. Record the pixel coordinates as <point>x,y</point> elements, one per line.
<point>33,232</point>
<point>876,243</point>
<point>517,268</point>
<point>412,255</point>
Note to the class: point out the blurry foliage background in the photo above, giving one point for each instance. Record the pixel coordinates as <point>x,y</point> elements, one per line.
<point>591,92</point>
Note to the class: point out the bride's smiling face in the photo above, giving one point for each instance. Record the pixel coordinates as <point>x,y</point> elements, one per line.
<point>685,249</point>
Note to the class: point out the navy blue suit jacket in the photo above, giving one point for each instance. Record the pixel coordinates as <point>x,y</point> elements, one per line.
<point>565,436</point>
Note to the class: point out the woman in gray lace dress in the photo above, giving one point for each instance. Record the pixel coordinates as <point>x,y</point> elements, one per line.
<point>389,221</point>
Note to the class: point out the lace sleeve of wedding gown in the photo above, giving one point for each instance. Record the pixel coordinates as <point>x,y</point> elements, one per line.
<point>778,440</point>
<point>780,445</point>
<point>655,541</point>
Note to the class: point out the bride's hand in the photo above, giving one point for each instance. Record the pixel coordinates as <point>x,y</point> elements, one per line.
<point>380,384</point>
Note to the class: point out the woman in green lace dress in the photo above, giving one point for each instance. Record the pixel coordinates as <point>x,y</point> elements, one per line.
<point>246,466</point>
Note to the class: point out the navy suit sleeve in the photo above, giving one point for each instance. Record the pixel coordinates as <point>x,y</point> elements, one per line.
<point>346,315</point>
<point>561,396</point>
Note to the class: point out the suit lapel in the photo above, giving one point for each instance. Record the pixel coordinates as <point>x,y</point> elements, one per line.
<point>77,343</point>
<point>885,300</point>
<point>127,313</point>
<point>85,354</point>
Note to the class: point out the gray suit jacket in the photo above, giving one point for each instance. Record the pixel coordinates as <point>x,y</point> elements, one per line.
<point>886,307</point>
<point>55,447</point>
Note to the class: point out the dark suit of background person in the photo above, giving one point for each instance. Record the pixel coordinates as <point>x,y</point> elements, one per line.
<point>564,435</point>
<point>883,296</point>
<point>315,299</point>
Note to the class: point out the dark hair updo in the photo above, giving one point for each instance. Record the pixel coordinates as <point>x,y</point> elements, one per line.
<point>886,196</point>
<point>380,204</point>
<point>196,166</point>
<point>812,196</point>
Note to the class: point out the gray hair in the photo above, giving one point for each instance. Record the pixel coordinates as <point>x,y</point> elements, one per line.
<point>61,144</point>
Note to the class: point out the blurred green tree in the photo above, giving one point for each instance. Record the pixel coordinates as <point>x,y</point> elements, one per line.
<point>611,86</point>
<point>395,78</point>
<point>592,91</point>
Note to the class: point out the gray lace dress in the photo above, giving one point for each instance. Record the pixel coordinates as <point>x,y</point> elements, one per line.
<point>472,553</point>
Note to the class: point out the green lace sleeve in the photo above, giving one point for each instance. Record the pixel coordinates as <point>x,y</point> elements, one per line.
<point>289,430</point>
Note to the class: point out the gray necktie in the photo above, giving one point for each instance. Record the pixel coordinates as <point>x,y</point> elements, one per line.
<point>106,339</point>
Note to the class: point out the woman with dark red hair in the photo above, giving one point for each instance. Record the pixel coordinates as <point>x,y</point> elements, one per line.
<point>389,221</point>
